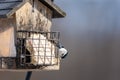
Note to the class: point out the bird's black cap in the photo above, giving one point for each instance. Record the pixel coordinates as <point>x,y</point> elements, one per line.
<point>59,45</point>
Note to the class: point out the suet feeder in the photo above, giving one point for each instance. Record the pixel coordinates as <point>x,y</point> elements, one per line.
<point>26,40</point>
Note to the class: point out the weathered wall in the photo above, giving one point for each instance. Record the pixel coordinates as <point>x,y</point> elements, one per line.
<point>29,17</point>
<point>7,46</point>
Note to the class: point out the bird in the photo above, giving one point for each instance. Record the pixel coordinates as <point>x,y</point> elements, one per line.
<point>63,52</point>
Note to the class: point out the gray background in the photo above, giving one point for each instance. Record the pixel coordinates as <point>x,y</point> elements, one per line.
<point>91,33</point>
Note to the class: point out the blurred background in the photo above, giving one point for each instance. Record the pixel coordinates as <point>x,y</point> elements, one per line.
<point>91,33</point>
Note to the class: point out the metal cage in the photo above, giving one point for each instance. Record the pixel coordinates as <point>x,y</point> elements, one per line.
<point>34,50</point>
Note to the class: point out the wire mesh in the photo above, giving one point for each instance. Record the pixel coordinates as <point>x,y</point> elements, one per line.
<point>7,63</point>
<point>36,49</point>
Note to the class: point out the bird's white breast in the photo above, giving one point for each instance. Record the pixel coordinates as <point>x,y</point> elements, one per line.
<point>62,51</point>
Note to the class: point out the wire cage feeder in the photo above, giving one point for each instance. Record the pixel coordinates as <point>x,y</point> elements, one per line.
<point>34,49</point>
